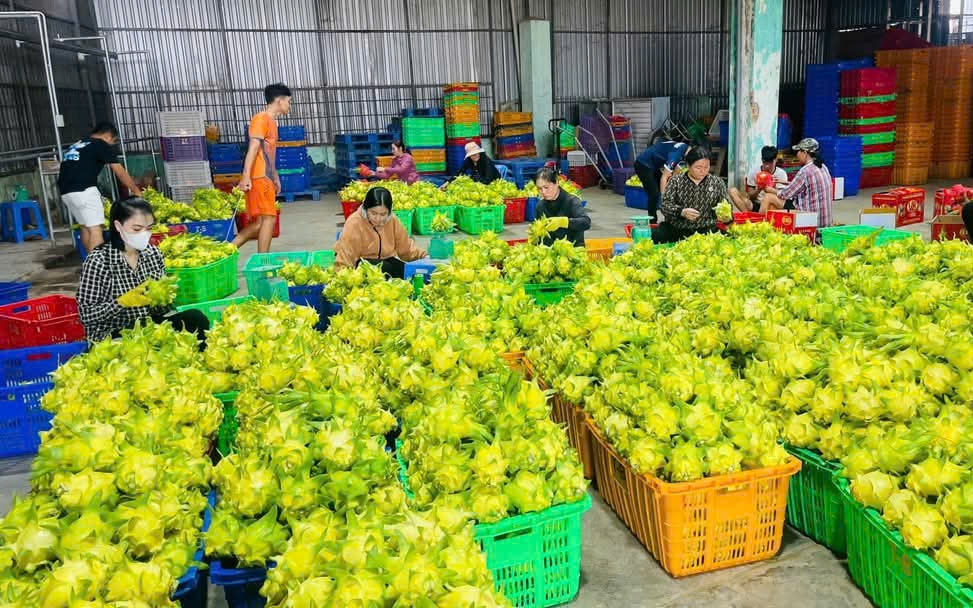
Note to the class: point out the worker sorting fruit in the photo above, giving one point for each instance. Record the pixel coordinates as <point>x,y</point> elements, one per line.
<point>123,281</point>
<point>561,215</point>
<point>374,234</point>
<point>692,201</point>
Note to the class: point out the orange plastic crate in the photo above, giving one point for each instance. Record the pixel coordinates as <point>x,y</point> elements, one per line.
<point>601,249</point>
<point>513,131</point>
<point>950,170</point>
<point>511,118</point>
<point>384,161</point>
<point>463,114</point>
<point>910,176</point>
<point>698,526</point>
<point>575,422</point>
<point>429,156</point>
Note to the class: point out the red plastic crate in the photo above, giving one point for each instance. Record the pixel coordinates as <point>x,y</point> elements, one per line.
<point>462,141</point>
<point>878,148</point>
<point>40,322</point>
<point>867,110</point>
<point>349,207</point>
<point>868,82</point>
<point>174,229</point>
<point>516,211</point>
<point>866,129</point>
<point>876,177</point>
<point>243,220</point>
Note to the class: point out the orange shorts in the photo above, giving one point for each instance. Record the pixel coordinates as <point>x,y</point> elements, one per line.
<point>261,197</point>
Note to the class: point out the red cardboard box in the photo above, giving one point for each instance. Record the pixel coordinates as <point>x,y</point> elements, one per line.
<point>946,227</point>
<point>948,200</point>
<point>795,222</point>
<point>909,203</point>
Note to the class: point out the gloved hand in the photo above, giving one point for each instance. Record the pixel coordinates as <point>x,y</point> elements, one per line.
<point>558,222</point>
<point>134,298</point>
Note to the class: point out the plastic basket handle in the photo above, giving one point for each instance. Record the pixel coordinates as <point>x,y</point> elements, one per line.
<point>618,469</point>
<point>738,487</point>
<point>513,534</point>
<point>39,356</point>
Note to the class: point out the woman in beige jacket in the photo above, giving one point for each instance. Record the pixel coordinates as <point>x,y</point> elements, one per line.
<point>374,234</point>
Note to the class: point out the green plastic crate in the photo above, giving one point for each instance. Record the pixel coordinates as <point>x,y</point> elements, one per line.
<point>422,218</point>
<point>290,171</point>
<point>872,139</point>
<point>263,265</point>
<point>205,283</point>
<point>226,435</point>
<point>857,122</point>
<point>850,101</point>
<point>535,558</point>
<point>546,294</point>
<point>405,216</point>
<point>889,572</point>
<point>461,98</point>
<point>431,167</point>
<point>463,129</point>
<point>424,131</point>
<point>477,220</point>
<point>323,258</point>
<point>881,159</point>
<point>814,505</point>
<point>837,238</point>
<point>214,308</point>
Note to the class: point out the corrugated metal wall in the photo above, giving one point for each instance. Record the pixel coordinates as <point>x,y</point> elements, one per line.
<point>25,116</point>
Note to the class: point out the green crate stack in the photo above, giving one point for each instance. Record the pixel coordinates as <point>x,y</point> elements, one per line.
<point>405,216</point>
<point>424,132</point>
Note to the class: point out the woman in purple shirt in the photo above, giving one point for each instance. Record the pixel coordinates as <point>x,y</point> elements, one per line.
<point>402,167</point>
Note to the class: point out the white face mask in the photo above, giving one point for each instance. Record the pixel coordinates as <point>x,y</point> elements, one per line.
<point>136,240</point>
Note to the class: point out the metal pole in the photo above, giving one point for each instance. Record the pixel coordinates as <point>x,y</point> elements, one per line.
<point>47,201</point>
<point>103,44</point>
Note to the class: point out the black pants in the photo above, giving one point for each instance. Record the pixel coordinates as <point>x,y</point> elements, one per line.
<point>650,183</point>
<point>188,320</point>
<point>667,233</point>
<point>967,213</point>
<point>394,268</point>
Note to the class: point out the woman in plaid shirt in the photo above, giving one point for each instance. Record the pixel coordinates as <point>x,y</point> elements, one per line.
<point>812,188</point>
<point>123,263</point>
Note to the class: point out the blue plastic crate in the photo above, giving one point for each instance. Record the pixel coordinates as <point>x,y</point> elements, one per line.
<point>294,182</point>
<point>527,138</point>
<point>409,112</point>
<point>530,212</point>
<point>13,292</point>
<point>221,230</point>
<point>419,267</point>
<point>225,152</point>
<point>291,133</point>
<point>291,158</point>
<point>241,586</point>
<point>311,295</point>
<point>636,197</point>
<point>348,139</point>
<point>35,364</point>
<point>22,419</point>
<point>226,167</point>
<point>192,588</point>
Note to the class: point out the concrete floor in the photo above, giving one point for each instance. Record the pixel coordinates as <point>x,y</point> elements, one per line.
<point>616,570</point>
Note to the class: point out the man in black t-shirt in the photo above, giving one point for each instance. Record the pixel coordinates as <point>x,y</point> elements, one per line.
<point>78,180</point>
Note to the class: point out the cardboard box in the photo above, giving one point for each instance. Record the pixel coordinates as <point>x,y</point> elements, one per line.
<point>946,201</point>
<point>795,222</point>
<point>947,227</point>
<point>838,189</point>
<point>909,203</point>
<point>879,217</point>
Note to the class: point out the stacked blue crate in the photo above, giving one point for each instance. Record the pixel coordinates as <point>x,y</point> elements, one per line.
<point>226,164</point>
<point>354,149</point>
<point>291,159</point>
<point>822,82</point>
<point>842,154</point>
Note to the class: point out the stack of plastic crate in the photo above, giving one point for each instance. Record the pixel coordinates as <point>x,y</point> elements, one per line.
<point>843,157</point>
<point>913,136</point>
<point>867,108</point>
<point>183,143</point>
<point>822,82</point>
<point>567,140</point>
<point>425,137</point>
<point>950,93</point>
<point>354,149</point>
<point>291,160</point>
<point>462,103</point>
<point>226,164</point>
<point>513,134</point>
<point>621,149</point>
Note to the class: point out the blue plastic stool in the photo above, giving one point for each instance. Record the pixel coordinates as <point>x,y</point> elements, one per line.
<point>15,215</point>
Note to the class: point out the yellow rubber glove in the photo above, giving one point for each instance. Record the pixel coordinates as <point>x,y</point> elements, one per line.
<point>558,222</point>
<point>134,298</point>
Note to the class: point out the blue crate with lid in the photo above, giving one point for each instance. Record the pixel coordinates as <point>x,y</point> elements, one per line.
<point>291,133</point>
<point>226,167</point>
<point>293,182</point>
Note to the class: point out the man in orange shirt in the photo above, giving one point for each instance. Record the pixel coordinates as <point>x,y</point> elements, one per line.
<point>260,180</point>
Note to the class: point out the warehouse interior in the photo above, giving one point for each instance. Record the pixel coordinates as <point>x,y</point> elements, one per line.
<point>582,85</point>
